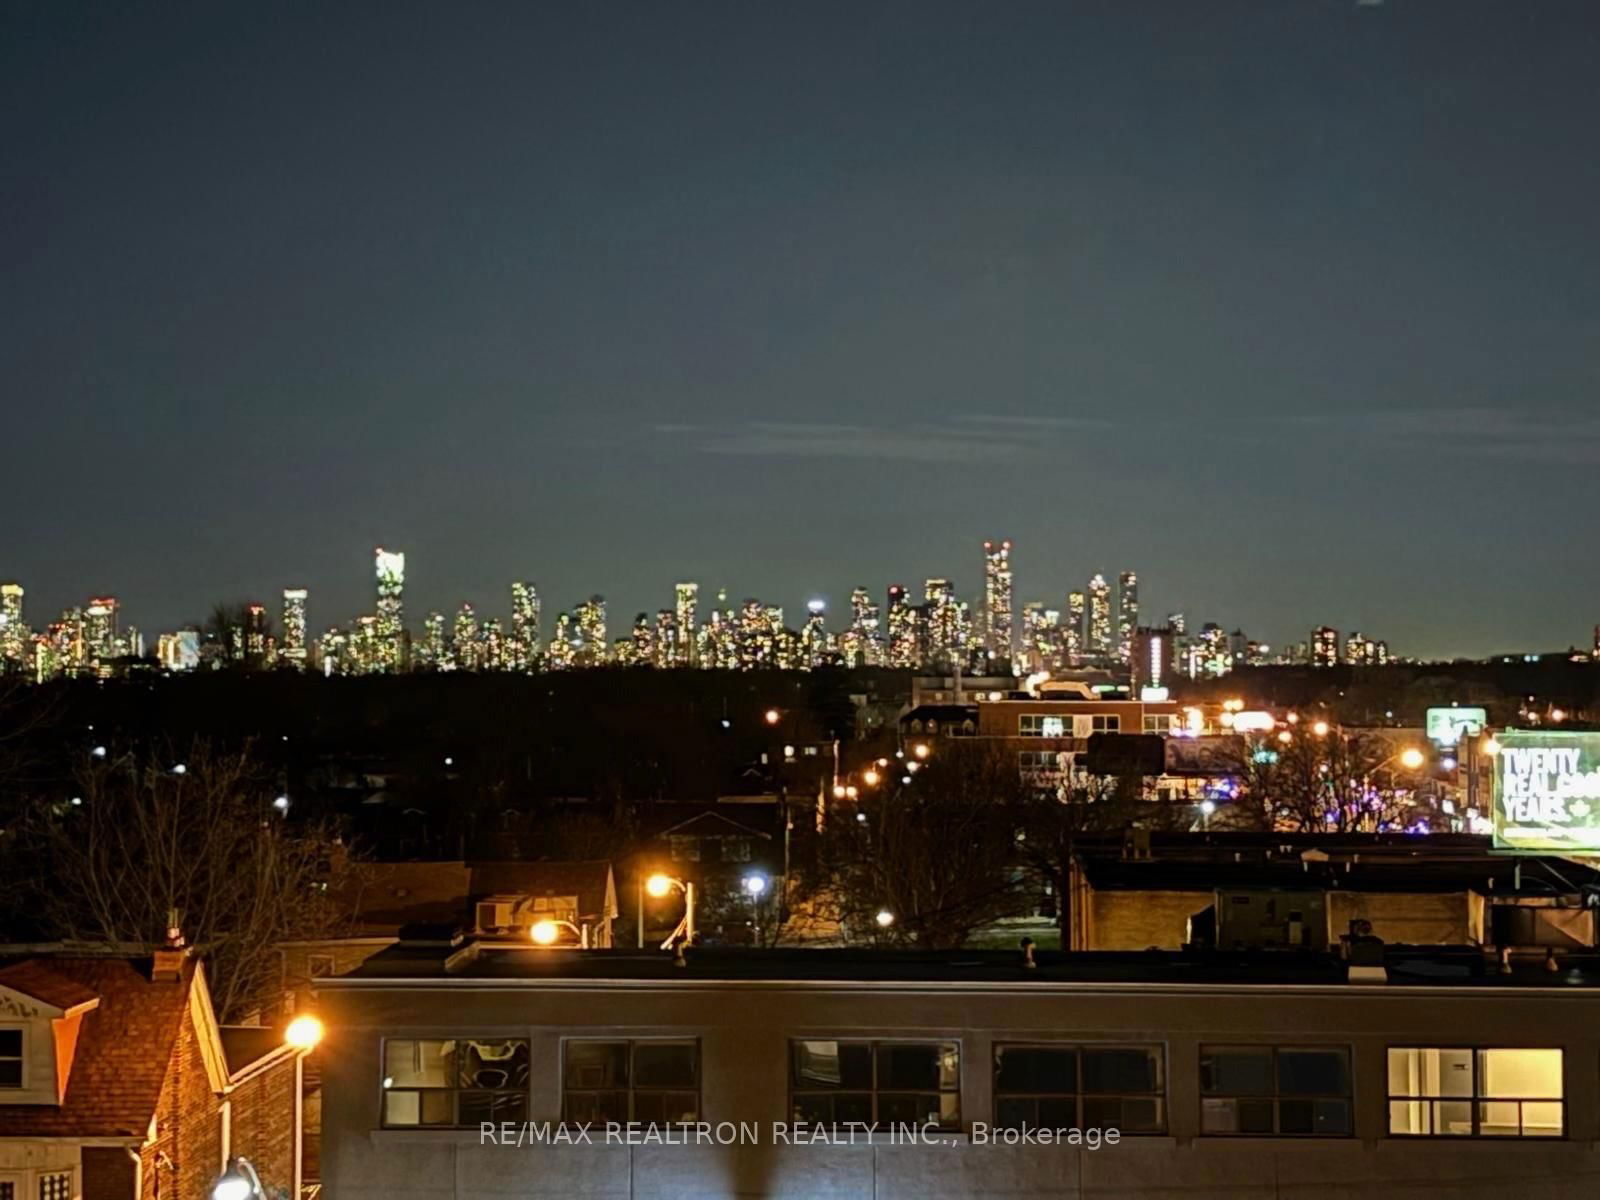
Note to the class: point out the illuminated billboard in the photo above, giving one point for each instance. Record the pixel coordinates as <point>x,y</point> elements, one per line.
<point>1446,725</point>
<point>1547,791</point>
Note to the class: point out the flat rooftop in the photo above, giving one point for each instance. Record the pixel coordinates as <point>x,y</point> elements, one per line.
<point>470,962</point>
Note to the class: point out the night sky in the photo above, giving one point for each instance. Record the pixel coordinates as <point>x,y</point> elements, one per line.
<point>1292,306</point>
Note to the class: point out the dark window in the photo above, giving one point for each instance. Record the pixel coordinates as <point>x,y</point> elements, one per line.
<point>429,1081</point>
<point>657,1082</point>
<point>1275,1091</point>
<point>1082,1087</point>
<point>10,1058</point>
<point>875,1083</point>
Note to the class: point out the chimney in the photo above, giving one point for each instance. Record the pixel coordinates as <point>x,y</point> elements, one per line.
<point>167,963</point>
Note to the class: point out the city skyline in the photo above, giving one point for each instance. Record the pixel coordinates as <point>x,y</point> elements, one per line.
<point>1303,329</point>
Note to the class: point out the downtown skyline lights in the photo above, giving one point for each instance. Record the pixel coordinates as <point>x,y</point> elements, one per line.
<point>1096,628</point>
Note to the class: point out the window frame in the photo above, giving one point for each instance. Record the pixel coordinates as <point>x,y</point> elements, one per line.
<point>1105,723</point>
<point>1064,720</point>
<point>632,1088</point>
<point>1277,1096</point>
<point>873,1093</point>
<point>1078,1096</point>
<point>20,1058</point>
<point>454,1090</point>
<point>57,1175</point>
<point>1474,1101</point>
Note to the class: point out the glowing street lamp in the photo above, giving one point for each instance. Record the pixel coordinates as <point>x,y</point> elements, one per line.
<point>920,749</point>
<point>1320,729</point>
<point>547,930</point>
<point>1411,758</point>
<point>1491,747</point>
<point>754,885</point>
<point>303,1034</point>
<point>885,918</point>
<point>870,777</point>
<point>238,1182</point>
<point>773,716</point>
<point>661,886</point>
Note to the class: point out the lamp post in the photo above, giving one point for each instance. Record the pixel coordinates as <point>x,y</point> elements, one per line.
<point>548,929</point>
<point>304,1034</point>
<point>662,885</point>
<point>238,1181</point>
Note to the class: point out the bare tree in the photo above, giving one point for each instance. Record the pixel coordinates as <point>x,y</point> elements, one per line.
<point>194,834</point>
<point>938,853</point>
<point>1333,782</point>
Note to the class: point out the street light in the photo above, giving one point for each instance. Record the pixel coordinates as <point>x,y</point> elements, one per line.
<point>304,1034</point>
<point>1411,758</point>
<point>920,749</point>
<point>885,918</point>
<point>238,1182</point>
<point>773,716</point>
<point>663,885</point>
<point>1491,747</point>
<point>870,777</point>
<point>1320,729</point>
<point>754,884</point>
<point>546,930</point>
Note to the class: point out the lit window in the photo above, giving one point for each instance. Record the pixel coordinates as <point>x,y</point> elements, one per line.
<point>875,1083</point>
<point>655,1082</point>
<point>1042,725</point>
<point>1161,724</point>
<point>456,1082</point>
<point>1080,1087</point>
<point>1275,1091</point>
<point>1466,1092</point>
<point>10,1058</point>
<point>56,1186</point>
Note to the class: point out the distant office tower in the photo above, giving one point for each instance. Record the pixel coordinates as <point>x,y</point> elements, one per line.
<point>100,629</point>
<point>1324,646</point>
<point>1038,639</point>
<point>641,648</point>
<point>1361,651</point>
<point>464,640</point>
<point>942,624</point>
<point>686,598</point>
<point>435,646</point>
<point>389,628</point>
<point>1178,624</point>
<point>493,643</point>
<point>902,629</point>
<point>13,633</point>
<point>590,619</point>
<point>179,651</point>
<point>524,624</point>
<point>662,648</point>
<point>815,644</point>
<point>1099,634</point>
<point>255,633</point>
<point>1215,660</point>
<point>293,649</point>
<point>561,654</point>
<point>999,636</point>
<point>1075,638</point>
<point>1127,613</point>
<point>862,644</point>
<point>1155,656</point>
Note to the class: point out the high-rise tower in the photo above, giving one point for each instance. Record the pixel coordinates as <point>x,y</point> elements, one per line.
<point>1127,613</point>
<point>1099,639</point>
<point>389,628</point>
<point>686,600</point>
<point>999,639</point>
<point>294,626</point>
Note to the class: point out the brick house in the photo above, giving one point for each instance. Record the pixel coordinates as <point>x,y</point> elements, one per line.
<point>116,1083</point>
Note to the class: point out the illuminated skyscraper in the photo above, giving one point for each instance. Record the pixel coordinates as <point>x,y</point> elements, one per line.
<point>1038,640</point>
<point>1324,646</point>
<point>816,647</point>
<point>255,633</point>
<point>1100,646</point>
<point>687,597</point>
<point>493,643</point>
<point>13,633</point>
<point>902,629</point>
<point>435,647</point>
<point>1073,638</point>
<point>389,628</point>
<point>862,644</point>
<point>524,625</point>
<point>941,625</point>
<point>100,633</point>
<point>999,638</point>
<point>590,621</point>
<point>293,650</point>
<point>1127,613</point>
<point>464,640</point>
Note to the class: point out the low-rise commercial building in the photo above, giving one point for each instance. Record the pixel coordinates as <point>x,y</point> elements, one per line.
<point>471,1071</point>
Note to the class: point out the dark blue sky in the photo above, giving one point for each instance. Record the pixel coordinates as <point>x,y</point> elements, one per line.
<point>1290,305</point>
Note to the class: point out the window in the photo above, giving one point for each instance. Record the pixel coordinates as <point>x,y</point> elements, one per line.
<point>1079,1087</point>
<point>656,1082</point>
<point>1161,724</point>
<point>319,966</point>
<point>8,1190</point>
<point>459,1082</point>
<point>875,1083</point>
<point>1107,724</point>
<point>57,1185</point>
<point>1029,761</point>
<point>1275,1091</point>
<point>1463,1092</point>
<point>684,849</point>
<point>10,1058</point>
<point>1041,725</point>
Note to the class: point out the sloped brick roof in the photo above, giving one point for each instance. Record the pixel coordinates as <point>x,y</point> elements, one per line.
<point>124,1046</point>
<point>33,978</point>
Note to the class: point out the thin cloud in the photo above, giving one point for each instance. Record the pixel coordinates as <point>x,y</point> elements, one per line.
<point>926,443</point>
<point>1557,437</point>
